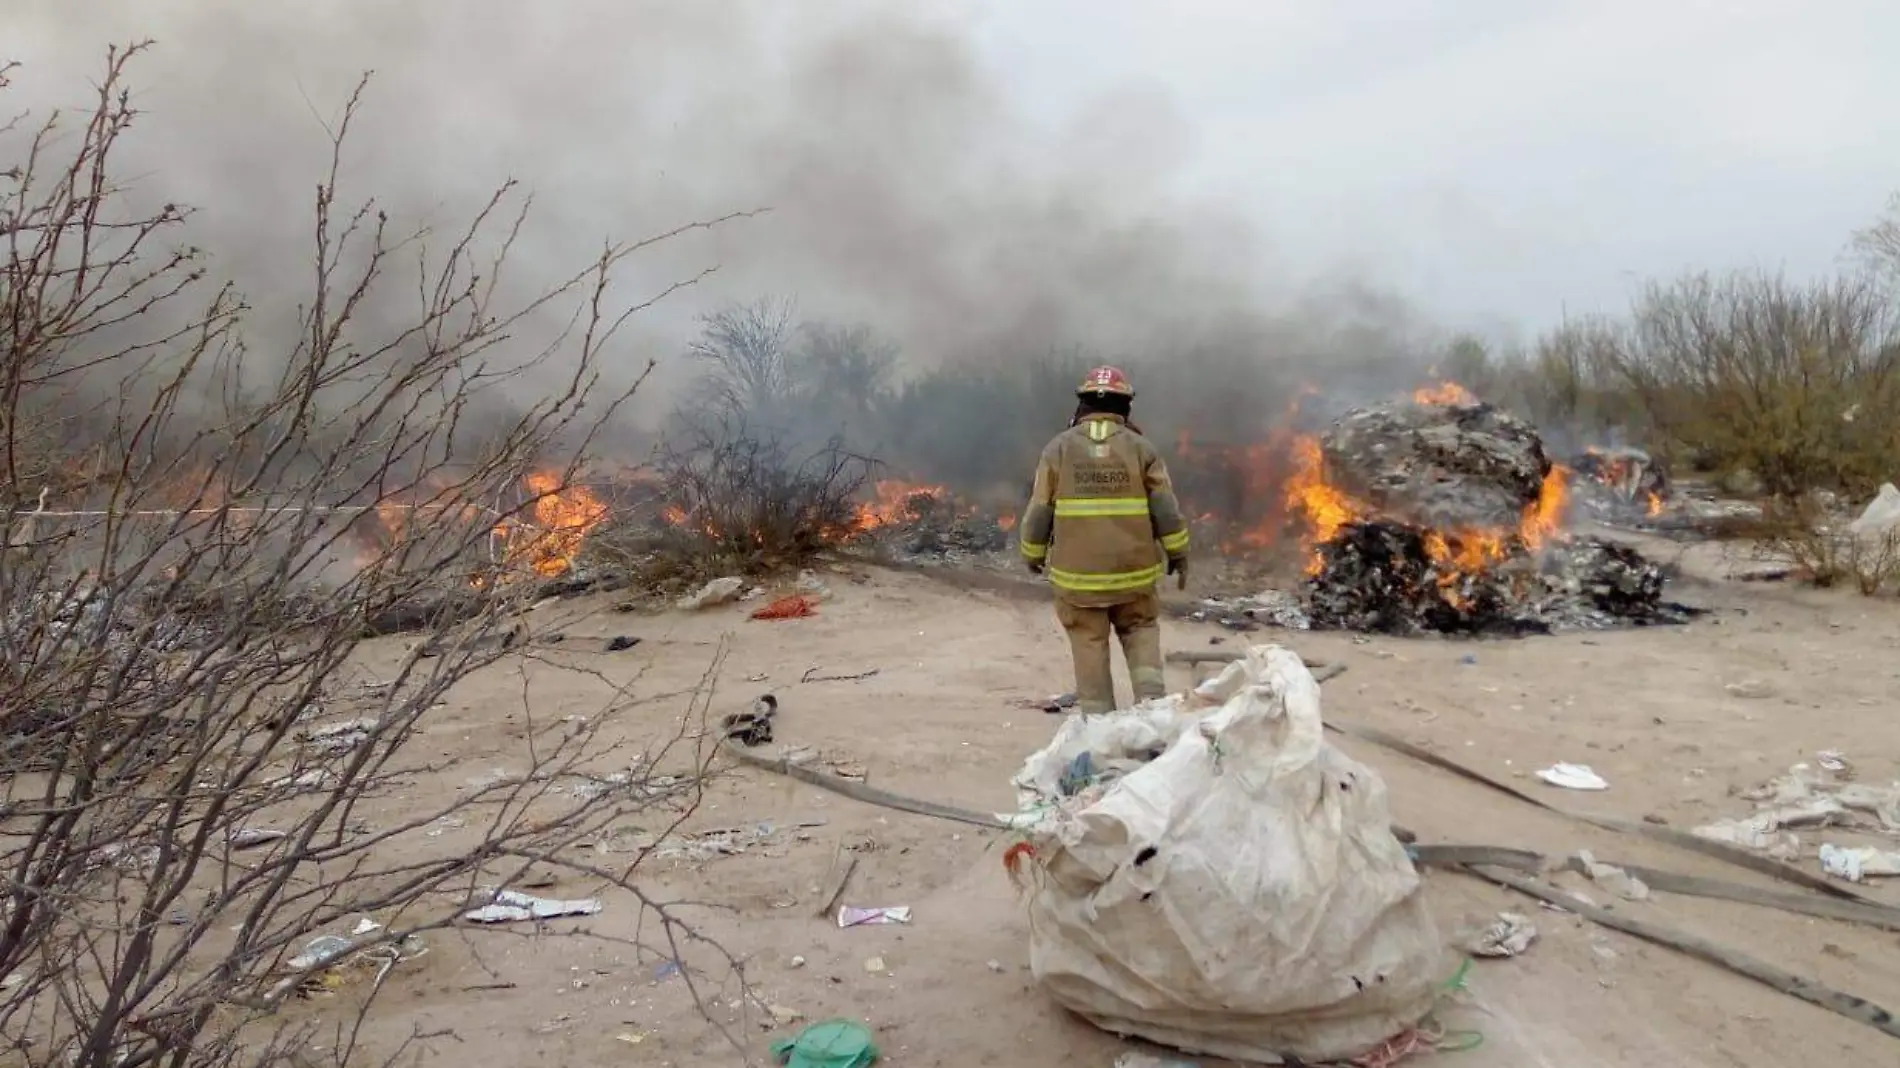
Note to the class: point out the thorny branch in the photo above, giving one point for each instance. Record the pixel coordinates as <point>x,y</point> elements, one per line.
<point>197,777</point>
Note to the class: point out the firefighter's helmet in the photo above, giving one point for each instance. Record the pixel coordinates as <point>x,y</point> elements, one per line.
<point>1105,380</point>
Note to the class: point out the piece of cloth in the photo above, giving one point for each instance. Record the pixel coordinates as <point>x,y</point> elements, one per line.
<point>1102,514</point>
<point>1136,623</point>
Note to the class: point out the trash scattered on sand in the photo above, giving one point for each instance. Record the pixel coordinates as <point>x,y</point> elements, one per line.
<point>851,916</point>
<point>252,837</point>
<point>717,592</point>
<point>510,906</point>
<point>1573,777</point>
<point>1833,762</point>
<point>620,642</point>
<point>811,675</point>
<point>1805,798</point>
<point>1613,879</point>
<point>321,950</point>
<point>338,737</point>
<point>1859,863</point>
<point>875,965</point>
<point>1750,689</point>
<point>754,726</point>
<point>831,1044</point>
<point>1510,934</point>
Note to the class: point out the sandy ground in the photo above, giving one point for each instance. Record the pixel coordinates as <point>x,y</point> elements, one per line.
<point>1647,708</point>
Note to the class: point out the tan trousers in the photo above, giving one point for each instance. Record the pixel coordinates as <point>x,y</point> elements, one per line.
<point>1137,623</point>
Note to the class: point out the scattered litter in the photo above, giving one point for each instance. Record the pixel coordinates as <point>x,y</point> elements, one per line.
<point>707,845</point>
<point>1613,879</point>
<point>1510,934</point>
<point>796,962</point>
<point>1468,659</point>
<point>1860,863</point>
<point>1832,760</point>
<point>321,950</point>
<point>812,586</point>
<point>338,737</point>
<point>831,1044</point>
<point>667,970</point>
<point>510,906</point>
<point>717,592</point>
<point>851,916</point>
<point>795,606</point>
<point>875,965</point>
<point>252,837</point>
<point>1805,798</point>
<point>365,926</point>
<point>752,727</point>
<point>784,1014</point>
<point>759,676</point>
<point>1573,777</point>
<point>995,966</point>
<point>631,1038</point>
<point>1274,608</point>
<point>811,675</point>
<point>1750,689</point>
<point>621,642</point>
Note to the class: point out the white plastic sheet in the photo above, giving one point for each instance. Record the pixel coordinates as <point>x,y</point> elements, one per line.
<point>1215,876</point>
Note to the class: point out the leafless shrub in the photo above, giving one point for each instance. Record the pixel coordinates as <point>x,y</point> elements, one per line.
<point>741,500</point>
<point>746,358</point>
<point>1803,533</point>
<point>182,808</point>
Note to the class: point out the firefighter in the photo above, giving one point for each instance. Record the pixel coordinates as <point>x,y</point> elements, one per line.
<point>1102,524</point>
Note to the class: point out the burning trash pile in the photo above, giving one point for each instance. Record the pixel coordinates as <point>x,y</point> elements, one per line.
<point>1445,514</point>
<point>1620,485</point>
<point>928,524</point>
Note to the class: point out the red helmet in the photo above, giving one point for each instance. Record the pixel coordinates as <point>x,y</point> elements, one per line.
<point>1106,380</point>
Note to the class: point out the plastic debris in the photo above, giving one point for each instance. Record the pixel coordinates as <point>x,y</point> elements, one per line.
<point>717,592</point>
<point>321,950</point>
<point>1859,863</point>
<point>831,1044</point>
<point>850,916</point>
<point>1614,879</point>
<point>510,906</point>
<point>1510,934</point>
<point>1573,777</point>
<point>875,965</point>
<point>252,837</point>
<point>1834,763</point>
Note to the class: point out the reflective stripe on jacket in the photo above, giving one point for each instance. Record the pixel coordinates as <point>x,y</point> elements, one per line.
<point>1102,513</point>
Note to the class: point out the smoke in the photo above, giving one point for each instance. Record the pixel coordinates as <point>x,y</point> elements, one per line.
<point>905,188</point>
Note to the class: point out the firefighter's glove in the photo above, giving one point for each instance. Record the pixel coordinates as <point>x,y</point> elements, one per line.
<point>1178,567</point>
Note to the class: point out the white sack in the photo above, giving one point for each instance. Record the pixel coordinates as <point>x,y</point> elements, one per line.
<point>1276,913</point>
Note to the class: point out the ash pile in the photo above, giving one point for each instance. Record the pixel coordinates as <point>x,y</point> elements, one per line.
<point>1452,527</point>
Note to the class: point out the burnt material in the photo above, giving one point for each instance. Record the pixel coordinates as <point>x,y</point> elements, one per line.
<point>1444,467</point>
<point>1379,576</point>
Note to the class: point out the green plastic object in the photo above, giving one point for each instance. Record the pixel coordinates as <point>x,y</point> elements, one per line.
<point>830,1044</point>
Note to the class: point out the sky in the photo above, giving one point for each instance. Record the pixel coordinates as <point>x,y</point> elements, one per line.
<point>1047,168</point>
<point>1508,158</point>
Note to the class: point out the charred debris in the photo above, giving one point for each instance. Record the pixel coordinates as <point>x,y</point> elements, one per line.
<point>1448,519</point>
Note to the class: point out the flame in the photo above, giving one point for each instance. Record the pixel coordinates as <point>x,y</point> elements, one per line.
<point>1652,504</point>
<point>1326,510</point>
<point>1324,506</point>
<point>1443,394</point>
<point>562,517</point>
<point>896,501</point>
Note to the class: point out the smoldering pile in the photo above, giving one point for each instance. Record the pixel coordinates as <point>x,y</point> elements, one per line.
<point>1446,518</point>
<point>1621,485</point>
<point>933,528</point>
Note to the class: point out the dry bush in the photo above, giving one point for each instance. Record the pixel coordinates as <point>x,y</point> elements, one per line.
<point>179,628</point>
<point>741,501</point>
<point>1803,534</point>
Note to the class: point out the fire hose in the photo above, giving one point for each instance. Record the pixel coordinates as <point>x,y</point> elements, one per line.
<point>1516,869</point>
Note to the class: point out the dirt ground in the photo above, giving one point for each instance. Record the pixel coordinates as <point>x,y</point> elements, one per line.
<point>1648,709</point>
